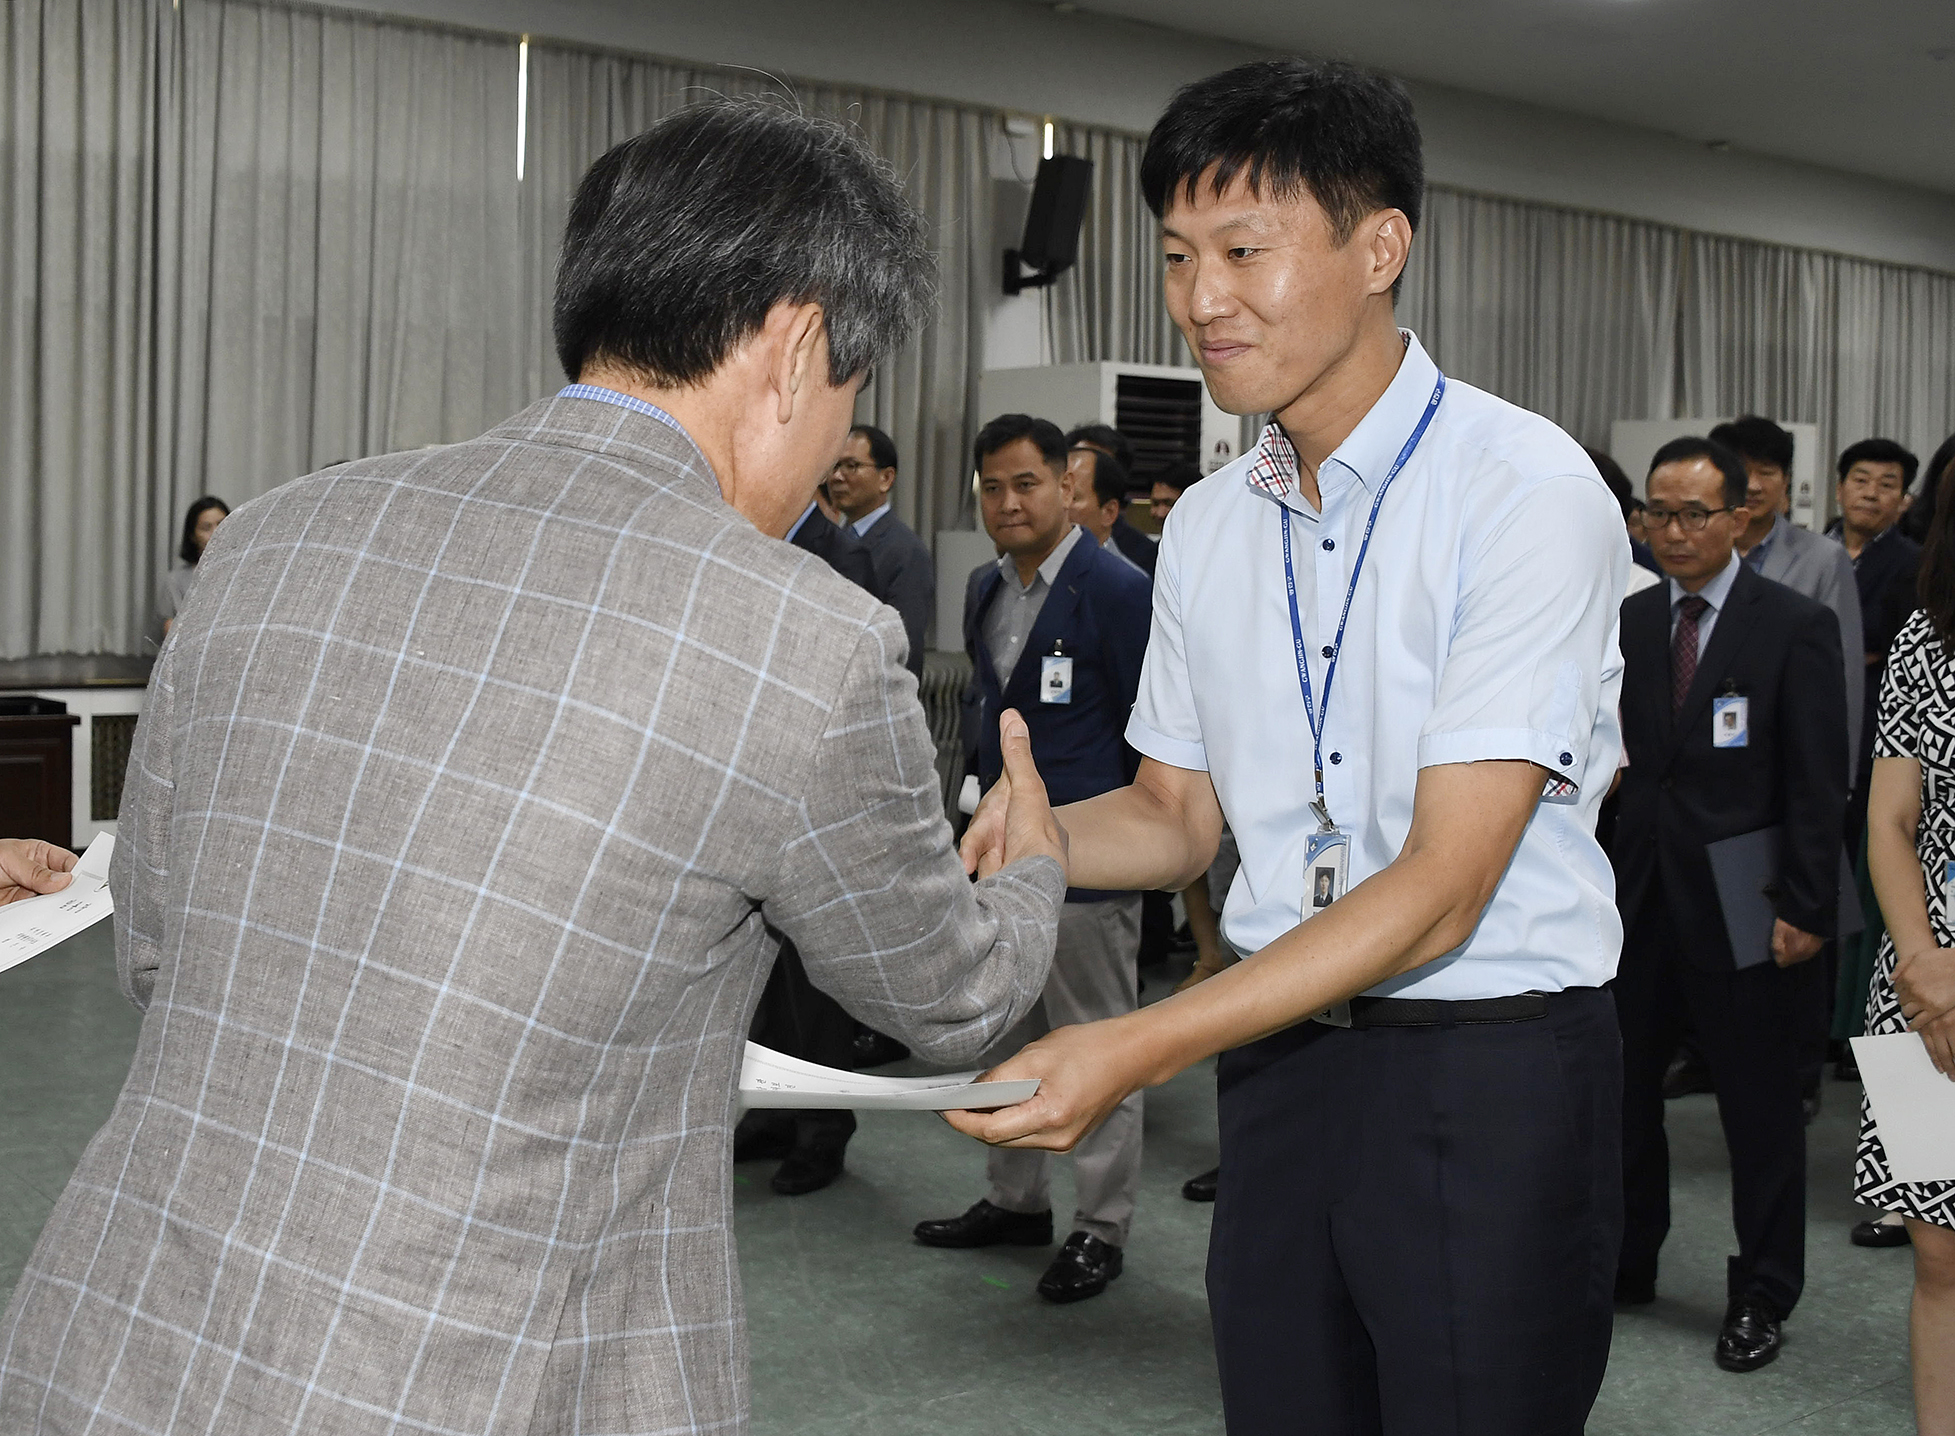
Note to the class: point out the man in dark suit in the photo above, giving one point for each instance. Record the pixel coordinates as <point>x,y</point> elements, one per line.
<point>1141,551</point>
<point>906,575</point>
<point>793,1015</point>
<point>1058,629</point>
<point>1734,719</point>
<point>1875,476</point>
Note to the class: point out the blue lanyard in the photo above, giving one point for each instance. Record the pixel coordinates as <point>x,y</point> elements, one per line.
<point>1310,711</point>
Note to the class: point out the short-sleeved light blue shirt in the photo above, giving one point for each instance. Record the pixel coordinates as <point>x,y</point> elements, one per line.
<point>1484,627</point>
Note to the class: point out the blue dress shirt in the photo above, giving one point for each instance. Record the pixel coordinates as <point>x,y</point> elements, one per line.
<point>1484,627</point>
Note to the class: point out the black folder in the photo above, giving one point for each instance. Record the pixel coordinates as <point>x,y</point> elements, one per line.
<point>1745,869</point>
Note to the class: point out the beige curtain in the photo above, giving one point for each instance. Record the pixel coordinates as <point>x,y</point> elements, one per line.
<point>1571,315</point>
<point>240,239</point>
<point>1108,305</point>
<point>583,102</point>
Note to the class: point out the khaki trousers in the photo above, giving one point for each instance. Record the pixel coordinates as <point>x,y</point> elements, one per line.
<point>1093,976</point>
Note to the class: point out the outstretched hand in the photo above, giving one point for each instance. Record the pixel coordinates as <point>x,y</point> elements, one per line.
<point>1015,821</point>
<point>30,867</point>
<point>1084,1072</point>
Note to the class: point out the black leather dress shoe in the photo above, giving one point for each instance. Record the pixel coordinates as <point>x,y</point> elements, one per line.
<point>1685,1077</point>
<point>1753,1332</point>
<point>1201,1188</point>
<point>807,1169</point>
<point>987,1226</point>
<point>1880,1234</point>
<point>1084,1266</point>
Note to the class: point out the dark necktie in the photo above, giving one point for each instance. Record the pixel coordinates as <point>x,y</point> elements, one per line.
<point>1683,649</point>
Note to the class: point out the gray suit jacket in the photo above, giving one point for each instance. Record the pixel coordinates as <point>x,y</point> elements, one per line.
<point>906,576</point>
<point>1814,565</point>
<point>473,789</point>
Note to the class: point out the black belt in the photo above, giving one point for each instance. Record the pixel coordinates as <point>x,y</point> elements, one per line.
<point>1430,1012</point>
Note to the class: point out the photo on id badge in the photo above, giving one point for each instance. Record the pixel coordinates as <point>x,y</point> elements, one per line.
<point>1730,721</point>
<point>1324,856</point>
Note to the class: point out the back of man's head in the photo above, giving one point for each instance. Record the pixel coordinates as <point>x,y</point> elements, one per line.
<point>1723,458</point>
<point>1613,476</point>
<point>1340,135</point>
<point>1881,451</point>
<point>1757,440</point>
<point>1105,438</point>
<point>1008,428</point>
<point>683,238</point>
<point>1109,476</point>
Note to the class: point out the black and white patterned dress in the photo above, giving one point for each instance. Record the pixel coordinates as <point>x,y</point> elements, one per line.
<point>1917,720</point>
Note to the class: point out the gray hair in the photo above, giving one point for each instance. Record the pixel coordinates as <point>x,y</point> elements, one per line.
<point>681,240</point>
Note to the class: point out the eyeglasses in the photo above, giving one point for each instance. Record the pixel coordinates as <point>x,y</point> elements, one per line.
<point>1693,520</point>
<point>851,466</point>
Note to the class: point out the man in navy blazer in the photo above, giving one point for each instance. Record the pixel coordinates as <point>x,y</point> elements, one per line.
<point>1057,630</point>
<point>1734,716</point>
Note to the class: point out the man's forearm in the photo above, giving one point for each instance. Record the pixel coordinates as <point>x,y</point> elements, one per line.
<point>1131,839</point>
<point>1400,919</point>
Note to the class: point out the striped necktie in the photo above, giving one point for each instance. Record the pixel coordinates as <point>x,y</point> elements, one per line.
<point>1683,649</point>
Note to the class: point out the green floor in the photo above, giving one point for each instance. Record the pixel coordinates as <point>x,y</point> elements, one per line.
<point>858,1332</point>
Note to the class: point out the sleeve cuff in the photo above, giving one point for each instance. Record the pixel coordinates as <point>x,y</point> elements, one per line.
<point>1483,745</point>
<point>1175,752</point>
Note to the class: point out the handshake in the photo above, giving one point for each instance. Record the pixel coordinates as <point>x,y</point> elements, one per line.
<point>1015,821</point>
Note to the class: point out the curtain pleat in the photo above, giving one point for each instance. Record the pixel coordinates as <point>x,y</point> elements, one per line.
<point>241,239</point>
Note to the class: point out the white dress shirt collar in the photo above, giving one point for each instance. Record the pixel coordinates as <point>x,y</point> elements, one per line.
<point>868,520</point>
<point>1714,592</point>
<point>1048,567</point>
<point>1368,451</point>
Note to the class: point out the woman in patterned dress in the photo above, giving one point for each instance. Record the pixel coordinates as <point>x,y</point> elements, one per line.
<point>1910,847</point>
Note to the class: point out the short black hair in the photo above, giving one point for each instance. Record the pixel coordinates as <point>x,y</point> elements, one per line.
<point>1344,136</point>
<point>681,240</point>
<point>1179,477</point>
<point>882,448</point>
<point>188,550</point>
<point>1008,428</point>
<point>1757,439</point>
<point>1105,438</point>
<point>1881,451</point>
<point>1613,476</point>
<point>1110,482</point>
<point>1726,460</point>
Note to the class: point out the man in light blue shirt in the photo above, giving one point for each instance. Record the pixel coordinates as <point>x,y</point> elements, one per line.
<point>1384,648</point>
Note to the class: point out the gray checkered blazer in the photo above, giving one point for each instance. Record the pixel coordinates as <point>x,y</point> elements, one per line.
<point>470,785</point>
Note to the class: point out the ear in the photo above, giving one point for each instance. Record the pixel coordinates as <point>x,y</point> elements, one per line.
<point>1387,239</point>
<point>799,353</point>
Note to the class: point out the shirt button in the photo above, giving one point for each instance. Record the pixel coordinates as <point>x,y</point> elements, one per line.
<point>1337,757</point>
<point>1566,759</point>
<point>1329,544</point>
<point>1328,650</point>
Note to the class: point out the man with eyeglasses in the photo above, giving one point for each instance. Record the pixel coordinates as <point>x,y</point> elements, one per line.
<point>906,574</point>
<point>1733,716</point>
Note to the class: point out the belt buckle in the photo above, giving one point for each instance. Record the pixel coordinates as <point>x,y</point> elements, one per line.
<point>1338,1014</point>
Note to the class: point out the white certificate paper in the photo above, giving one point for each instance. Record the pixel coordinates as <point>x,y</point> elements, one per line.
<point>773,1079</point>
<point>1914,1105</point>
<point>35,924</point>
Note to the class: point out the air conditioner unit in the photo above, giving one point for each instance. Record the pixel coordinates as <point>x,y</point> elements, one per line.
<point>1164,411</point>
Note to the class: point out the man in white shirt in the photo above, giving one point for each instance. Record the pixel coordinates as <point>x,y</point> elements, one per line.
<point>1384,648</point>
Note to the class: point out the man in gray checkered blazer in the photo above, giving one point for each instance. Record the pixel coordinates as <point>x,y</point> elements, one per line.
<point>474,787</point>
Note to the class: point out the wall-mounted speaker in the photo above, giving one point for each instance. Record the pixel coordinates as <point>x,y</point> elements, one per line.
<point>1058,208</point>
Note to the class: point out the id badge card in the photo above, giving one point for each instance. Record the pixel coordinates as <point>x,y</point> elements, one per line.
<point>1731,721</point>
<point>1326,865</point>
<point>1056,678</point>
